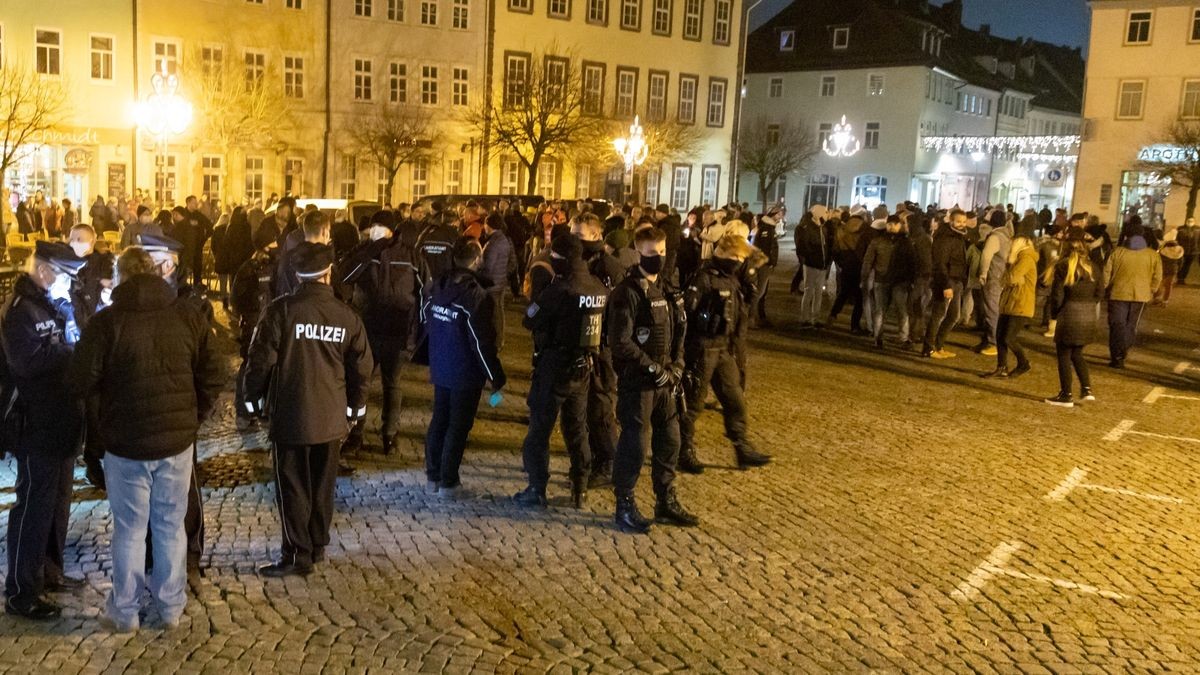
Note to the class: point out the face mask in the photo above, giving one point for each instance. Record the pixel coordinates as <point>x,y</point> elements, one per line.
<point>81,248</point>
<point>651,264</point>
<point>377,232</point>
<point>726,265</point>
<point>561,266</point>
<point>592,247</point>
<point>61,288</point>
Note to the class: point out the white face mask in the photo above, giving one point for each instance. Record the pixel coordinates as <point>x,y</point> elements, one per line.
<point>377,232</point>
<point>81,248</point>
<point>61,288</point>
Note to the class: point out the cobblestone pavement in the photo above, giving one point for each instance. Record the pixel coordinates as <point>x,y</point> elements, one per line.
<point>916,518</point>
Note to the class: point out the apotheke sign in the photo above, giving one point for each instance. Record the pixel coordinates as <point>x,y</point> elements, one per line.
<point>1166,154</point>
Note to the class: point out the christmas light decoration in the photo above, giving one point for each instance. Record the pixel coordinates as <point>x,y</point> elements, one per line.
<point>1001,144</point>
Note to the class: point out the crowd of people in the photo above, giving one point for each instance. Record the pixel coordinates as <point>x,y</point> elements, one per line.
<point>636,312</point>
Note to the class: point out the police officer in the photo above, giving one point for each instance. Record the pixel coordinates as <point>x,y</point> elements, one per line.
<point>382,269</point>
<point>717,313</point>
<point>38,334</point>
<point>250,295</point>
<point>310,351</point>
<point>569,316</point>
<point>602,390</point>
<point>435,248</point>
<point>460,349</point>
<point>646,328</point>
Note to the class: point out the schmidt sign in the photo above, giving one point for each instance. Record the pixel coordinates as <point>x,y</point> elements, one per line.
<point>1167,154</point>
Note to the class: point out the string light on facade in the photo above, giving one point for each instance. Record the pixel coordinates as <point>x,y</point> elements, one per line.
<point>1002,144</point>
<point>841,141</point>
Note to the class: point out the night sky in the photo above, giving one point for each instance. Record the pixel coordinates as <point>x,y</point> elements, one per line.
<point>1058,21</point>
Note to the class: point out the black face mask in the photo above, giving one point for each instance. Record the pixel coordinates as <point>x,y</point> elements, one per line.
<point>591,248</point>
<point>561,266</point>
<point>726,265</point>
<point>651,264</point>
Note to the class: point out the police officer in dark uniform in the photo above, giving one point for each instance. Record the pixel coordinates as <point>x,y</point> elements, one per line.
<point>382,270</point>
<point>717,312</point>
<point>435,248</point>
<point>309,356</point>
<point>569,317</point>
<point>250,294</point>
<point>602,390</point>
<point>38,334</point>
<point>646,327</point>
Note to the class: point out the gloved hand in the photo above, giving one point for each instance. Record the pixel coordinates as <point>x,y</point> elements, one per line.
<point>663,378</point>
<point>676,376</point>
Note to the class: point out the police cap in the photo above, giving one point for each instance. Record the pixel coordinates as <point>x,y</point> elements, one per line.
<point>156,243</point>
<point>59,255</point>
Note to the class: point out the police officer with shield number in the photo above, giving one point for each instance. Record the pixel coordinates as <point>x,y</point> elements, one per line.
<point>310,356</point>
<point>646,328</point>
<point>717,311</point>
<point>569,317</point>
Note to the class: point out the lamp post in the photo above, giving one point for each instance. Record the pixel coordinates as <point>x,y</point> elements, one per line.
<point>632,150</point>
<point>163,114</point>
<point>841,143</point>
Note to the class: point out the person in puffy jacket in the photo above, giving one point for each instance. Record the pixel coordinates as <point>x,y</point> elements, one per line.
<point>460,349</point>
<point>1017,302</point>
<point>814,247</point>
<point>890,261</point>
<point>147,361</point>
<point>498,265</point>
<point>948,276</point>
<point>1075,293</point>
<point>848,253</point>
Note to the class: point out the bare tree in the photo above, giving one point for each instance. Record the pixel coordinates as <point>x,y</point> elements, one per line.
<point>1182,165</point>
<point>29,107</point>
<point>236,109</point>
<point>539,114</point>
<point>392,137</point>
<point>773,150</point>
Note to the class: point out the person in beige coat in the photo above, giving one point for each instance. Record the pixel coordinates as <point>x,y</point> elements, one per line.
<point>1018,297</point>
<point>1132,276</point>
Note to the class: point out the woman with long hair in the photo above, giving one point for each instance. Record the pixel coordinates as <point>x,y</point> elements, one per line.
<point>1017,301</point>
<point>1075,291</point>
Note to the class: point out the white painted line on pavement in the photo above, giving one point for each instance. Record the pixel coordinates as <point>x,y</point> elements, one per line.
<point>1126,427</point>
<point>1161,392</point>
<point>1120,430</point>
<point>1131,493</point>
<point>991,566</point>
<point>1073,480</point>
<point>1182,367</point>
<point>1063,583</point>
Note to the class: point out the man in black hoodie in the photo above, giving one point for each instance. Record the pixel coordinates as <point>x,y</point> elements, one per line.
<point>948,276</point>
<point>148,420</point>
<point>889,260</point>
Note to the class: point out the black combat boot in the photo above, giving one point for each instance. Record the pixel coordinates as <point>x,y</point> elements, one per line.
<point>390,442</point>
<point>628,518</point>
<point>531,496</point>
<point>579,488</point>
<point>688,461</point>
<point>668,510</point>
<point>749,458</point>
<point>601,475</point>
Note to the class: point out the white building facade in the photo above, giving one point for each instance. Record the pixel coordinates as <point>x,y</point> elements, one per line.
<point>1143,75</point>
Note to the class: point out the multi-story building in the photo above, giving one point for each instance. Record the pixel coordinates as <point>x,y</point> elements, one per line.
<point>662,60</point>
<point>1143,75</point>
<point>87,47</point>
<point>941,114</point>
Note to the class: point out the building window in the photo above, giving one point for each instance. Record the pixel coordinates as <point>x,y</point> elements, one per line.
<point>828,85</point>
<point>773,134</point>
<point>429,13</point>
<point>211,59</point>
<point>49,52</point>
<point>293,176</point>
<point>1,44</point>
<point>841,37</point>
<point>362,7</point>
<point>1195,25</point>
<point>254,178</point>
<point>823,132</point>
<point>520,6</point>
<point>656,99</point>
<point>593,88</point>
<point>583,181</point>
<point>547,175</point>
<point>681,186</point>
<point>710,179</point>
<point>558,9</point>
<point>821,189</point>
<point>510,176</point>
<point>461,13</point>
<point>294,4</point>
<point>631,14</point>
<point>170,179</point>
<point>871,139</point>
<point>716,102</point>
<point>362,79</point>
<point>1191,100</point>
<point>626,91</point>
<point>653,177</point>
<point>722,20</point>
<point>875,84</point>
<point>1138,31</point>
<point>688,84</point>
<point>454,172</point>
<point>597,11</point>
<point>459,86</point>
<point>870,190</point>
<point>210,179</point>
<point>293,76</point>
<point>397,83</point>
<point>693,14</point>
<point>1129,107</point>
<point>395,10</point>
<point>429,85</point>
<point>349,171</point>
<point>102,57</point>
<point>256,68</point>
<point>556,73</point>
<point>420,179</point>
<point>166,57</point>
<point>516,79</point>
<point>787,40</point>
<point>775,87</point>
<point>662,17</point>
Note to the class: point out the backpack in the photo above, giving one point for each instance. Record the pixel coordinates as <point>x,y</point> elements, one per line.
<point>713,315</point>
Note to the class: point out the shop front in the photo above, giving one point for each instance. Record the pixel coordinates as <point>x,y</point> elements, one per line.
<point>76,163</point>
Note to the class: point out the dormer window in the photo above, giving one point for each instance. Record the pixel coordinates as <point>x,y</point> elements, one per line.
<point>931,42</point>
<point>841,37</point>
<point>787,40</point>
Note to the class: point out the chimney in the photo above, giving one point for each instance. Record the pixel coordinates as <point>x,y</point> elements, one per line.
<point>1027,64</point>
<point>985,29</point>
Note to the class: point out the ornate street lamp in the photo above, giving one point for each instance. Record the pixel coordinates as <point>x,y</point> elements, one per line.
<point>163,114</point>
<point>632,150</point>
<point>841,143</point>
